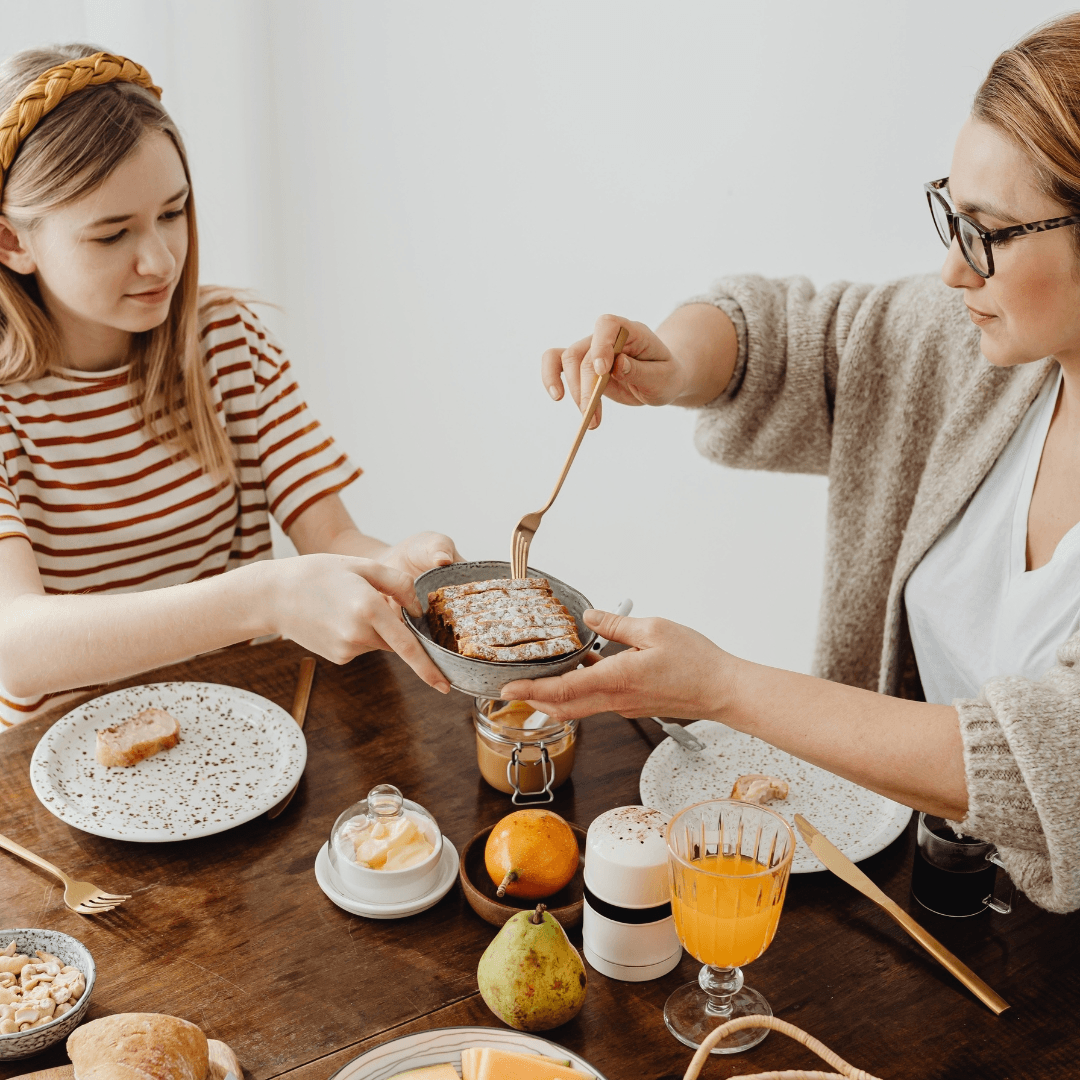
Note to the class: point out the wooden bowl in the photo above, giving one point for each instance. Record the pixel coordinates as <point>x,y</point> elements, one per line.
<point>566,905</point>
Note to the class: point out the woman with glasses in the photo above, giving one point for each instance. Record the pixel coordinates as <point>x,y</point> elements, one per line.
<point>946,414</point>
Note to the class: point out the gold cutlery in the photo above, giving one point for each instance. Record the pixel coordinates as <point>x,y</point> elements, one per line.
<point>845,869</point>
<point>299,714</point>
<point>526,528</point>
<point>80,896</point>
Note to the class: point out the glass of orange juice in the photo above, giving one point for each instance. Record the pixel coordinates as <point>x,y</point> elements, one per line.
<point>729,863</point>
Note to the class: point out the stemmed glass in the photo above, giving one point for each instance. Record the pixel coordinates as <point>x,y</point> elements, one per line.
<point>729,863</point>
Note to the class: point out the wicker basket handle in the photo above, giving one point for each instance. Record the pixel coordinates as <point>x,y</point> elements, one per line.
<point>844,1071</point>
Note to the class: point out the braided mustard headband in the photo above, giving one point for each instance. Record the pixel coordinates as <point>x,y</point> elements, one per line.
<point>51,87</point>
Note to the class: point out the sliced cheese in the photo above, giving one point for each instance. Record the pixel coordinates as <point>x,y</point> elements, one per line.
<point>502,1065</point>
<point>428,1072</point>
<point>470,1063</point>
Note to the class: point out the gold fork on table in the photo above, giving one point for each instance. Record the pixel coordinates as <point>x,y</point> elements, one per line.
<point>80,896</point>
<point>526,528</point>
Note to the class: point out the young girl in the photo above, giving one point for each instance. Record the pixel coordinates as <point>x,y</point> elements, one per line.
<point>149,428</point>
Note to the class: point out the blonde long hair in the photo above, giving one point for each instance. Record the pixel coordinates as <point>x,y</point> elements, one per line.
<point>71,151</point>
<point>1032,95</point>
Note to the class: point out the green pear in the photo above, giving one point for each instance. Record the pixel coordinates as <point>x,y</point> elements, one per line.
<point>530,975</point>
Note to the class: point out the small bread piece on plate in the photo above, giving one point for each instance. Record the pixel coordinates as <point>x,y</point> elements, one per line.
<point>138,738</point>
<point>754,788</point>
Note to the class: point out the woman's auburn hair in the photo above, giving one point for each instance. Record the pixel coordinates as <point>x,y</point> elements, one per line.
<point>70,153</point>
<point>1032,95</point>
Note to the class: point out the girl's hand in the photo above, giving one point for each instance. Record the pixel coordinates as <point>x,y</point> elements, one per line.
<point>339,607</point>
<point>420,552</point>
<point>670,670</point>
<point>645,371</point>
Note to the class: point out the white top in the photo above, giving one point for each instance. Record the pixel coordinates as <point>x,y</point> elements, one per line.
<point>973,610</point>
<point>626,857</point>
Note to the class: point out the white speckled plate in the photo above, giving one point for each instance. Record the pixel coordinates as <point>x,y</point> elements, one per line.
<point>445,1045</point>
<point>859,822</point>
<point>238,756</point>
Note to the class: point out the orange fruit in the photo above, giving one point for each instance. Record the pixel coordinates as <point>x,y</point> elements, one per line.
<point>531,854</point>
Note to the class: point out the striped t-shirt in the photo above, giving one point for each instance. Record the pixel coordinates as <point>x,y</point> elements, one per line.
<point>107,508</point>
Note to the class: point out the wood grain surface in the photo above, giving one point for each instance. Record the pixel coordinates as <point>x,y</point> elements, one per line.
<point>232,932</point>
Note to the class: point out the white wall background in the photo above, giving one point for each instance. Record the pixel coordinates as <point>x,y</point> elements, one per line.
<point>434,193</point>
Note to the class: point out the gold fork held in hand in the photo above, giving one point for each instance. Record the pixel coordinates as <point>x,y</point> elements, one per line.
<point>526,528</point>
<point>80,896</point>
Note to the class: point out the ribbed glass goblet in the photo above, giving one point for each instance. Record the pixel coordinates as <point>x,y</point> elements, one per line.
<point>729,863</point>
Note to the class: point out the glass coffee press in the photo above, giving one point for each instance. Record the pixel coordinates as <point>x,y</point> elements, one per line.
<point>955,875</point>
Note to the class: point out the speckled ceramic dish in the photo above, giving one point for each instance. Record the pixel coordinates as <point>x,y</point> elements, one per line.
<point>238,756</point>
<point>22,1044</point>
<point>859,822</point>
<point>487,677</point>
<point>445,1045</point>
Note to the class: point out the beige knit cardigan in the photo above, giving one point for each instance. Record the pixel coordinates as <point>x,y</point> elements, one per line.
<point>884,390</point>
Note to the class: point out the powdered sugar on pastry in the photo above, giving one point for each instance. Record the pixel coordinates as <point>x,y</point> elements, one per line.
<point>529,650</point>
<point>502,619</point>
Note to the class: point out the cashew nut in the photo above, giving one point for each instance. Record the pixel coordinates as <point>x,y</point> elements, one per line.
<point>14,963</point>
<point>43,992</point>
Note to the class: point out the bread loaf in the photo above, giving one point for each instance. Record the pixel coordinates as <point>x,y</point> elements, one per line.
<point>138,1046</point>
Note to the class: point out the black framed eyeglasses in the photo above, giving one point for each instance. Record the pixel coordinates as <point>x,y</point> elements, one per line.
<point>976,244</point>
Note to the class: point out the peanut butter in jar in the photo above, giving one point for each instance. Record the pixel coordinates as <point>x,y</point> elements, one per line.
<point>527,759</point>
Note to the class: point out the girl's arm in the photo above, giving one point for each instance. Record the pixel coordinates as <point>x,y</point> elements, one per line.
<point>909,751</point>
<point>334,604</point>
<point>327,526</point>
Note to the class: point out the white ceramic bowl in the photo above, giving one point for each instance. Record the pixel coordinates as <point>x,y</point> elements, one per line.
<point>385,886</point>
<point>23,1044</point>
<point>485,678</point>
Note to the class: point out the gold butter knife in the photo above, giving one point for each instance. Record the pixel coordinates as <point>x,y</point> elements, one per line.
<point>845,869</point>
<point>299,713</point>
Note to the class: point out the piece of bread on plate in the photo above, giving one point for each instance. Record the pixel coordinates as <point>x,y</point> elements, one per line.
<point>136,739</point>
<point>755,788</point>
<point>139,1046</point>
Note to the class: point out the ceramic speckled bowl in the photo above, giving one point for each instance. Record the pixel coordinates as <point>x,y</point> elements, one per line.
<point>23,1044</point>
<point>486,677</point>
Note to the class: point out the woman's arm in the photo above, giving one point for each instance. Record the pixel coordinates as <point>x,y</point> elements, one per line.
<point>765,356</point>
<point>336,604</point>
<point>906,750</point>
<point>688,361</point>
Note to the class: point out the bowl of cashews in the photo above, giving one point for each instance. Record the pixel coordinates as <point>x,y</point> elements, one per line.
<point>45,982</point>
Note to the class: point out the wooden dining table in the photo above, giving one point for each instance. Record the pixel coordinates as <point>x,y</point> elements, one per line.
<point>232,932</point>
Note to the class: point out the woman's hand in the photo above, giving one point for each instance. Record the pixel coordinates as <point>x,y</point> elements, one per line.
<point>688,361</point>
<point>645,372</point>
<point>421,552</point>
<point>340,606</point>
<point>670,670</point>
